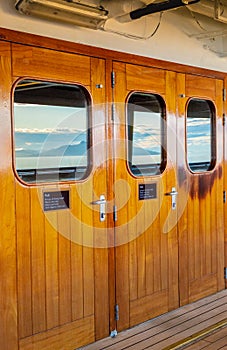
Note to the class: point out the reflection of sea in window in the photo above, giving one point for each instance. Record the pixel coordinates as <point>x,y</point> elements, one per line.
<point>145,134</point>
<point>200,135</point>
<point>51,131</point>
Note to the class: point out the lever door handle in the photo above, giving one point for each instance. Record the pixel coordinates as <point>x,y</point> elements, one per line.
<point>173,194</point>
<point>102,207</point>
<point>99,201</point>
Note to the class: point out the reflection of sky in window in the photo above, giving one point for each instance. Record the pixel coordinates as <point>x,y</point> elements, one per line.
<point>146,133</point>
<point>199,140</point>
<point>39,118</point>
<point>57,126</point>
<point>53,125</point>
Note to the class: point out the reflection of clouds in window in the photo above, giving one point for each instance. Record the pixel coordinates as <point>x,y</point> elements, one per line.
<point>147,132</point>
<point>194,140</point>
<point>145,124</point>
<point>51,131</point>
<point>200,149</point>
<point>61,125</point>
<point>147,138</point>
<point>35,118</point>
<point>148,142</point>
<point>142,129</point>
<point>198,122</point>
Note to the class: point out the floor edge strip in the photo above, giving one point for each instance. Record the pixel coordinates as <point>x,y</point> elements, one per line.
<point>197,336</point>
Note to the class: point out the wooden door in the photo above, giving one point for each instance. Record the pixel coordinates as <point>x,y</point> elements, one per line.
<point>200,186</point>
<point>62,255</point>
<point>145,228</point>
<point>8,303</point>
<point>169,232</point>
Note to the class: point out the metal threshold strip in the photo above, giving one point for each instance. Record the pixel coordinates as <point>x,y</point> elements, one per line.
<point>197,336</point>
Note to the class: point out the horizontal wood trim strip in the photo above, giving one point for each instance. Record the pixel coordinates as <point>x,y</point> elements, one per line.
<point>61,45</point>
<point>67,337</point>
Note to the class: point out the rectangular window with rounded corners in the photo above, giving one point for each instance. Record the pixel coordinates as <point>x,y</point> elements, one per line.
<point>201,135</point>
<point>51,131</point>
<point>146,134</point>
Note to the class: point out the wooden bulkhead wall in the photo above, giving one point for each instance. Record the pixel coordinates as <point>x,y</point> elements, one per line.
<point>64,271</point>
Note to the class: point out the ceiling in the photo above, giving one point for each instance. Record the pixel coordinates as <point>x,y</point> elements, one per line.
<point>97,14</point>
<point>123,11</point>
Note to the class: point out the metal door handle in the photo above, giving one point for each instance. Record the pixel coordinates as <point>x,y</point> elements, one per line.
<point>102,207</point>
<point>173,194</point>
<point>99,201</point>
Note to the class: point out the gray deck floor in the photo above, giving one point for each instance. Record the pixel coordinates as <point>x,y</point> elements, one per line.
<point>200,325</point>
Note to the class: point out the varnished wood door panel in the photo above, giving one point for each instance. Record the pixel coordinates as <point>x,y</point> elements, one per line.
<point>200,86</point>
<point>146,240</point>
<point>8,303</point>
<point>179,257</point>
<point>141,77</point>
<point>40,63</point>
<point>201,221</point>
<point>62,261</point>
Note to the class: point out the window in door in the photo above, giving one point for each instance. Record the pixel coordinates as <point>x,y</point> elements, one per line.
<point>200,135</point>
<point>51,131</point>
<point>146,134</point>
